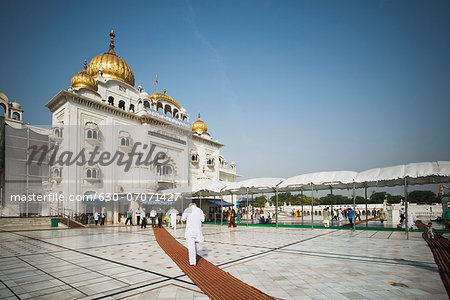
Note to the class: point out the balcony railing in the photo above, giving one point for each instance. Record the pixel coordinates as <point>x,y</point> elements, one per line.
<point>158,115</point>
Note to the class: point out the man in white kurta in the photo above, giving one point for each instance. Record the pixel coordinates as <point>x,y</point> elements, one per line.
<point>173,218</point>
<point>194,217</point>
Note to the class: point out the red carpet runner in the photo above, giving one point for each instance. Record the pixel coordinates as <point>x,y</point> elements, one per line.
<point>440,247</point>
<point>214,282</point>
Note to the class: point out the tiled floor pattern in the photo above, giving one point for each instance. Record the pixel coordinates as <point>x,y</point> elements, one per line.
<point>290,263</point>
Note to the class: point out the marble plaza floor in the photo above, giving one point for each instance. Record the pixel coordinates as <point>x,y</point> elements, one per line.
<point>288,263</point>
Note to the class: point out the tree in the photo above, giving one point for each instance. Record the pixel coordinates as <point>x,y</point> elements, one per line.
<point>335,200</point>
<point>260,201</point>
<point>422,197</point>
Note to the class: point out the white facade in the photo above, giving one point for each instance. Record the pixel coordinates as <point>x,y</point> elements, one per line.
<point>120,117</point>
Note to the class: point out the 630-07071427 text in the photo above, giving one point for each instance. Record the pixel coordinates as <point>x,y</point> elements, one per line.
<point>52,197</point>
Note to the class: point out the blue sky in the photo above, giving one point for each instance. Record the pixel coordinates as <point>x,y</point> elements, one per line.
<point>289,86</point>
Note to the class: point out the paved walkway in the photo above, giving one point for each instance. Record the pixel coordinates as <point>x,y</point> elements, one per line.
<point>289,263</point>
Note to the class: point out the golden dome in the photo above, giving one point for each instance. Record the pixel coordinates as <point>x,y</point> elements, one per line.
<point>199,126</point>
<point>157,96</point>
<point>112,65</point>
<point>84,80</point>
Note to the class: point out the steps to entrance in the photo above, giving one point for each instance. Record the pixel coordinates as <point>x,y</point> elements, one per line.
<point>24,223</point>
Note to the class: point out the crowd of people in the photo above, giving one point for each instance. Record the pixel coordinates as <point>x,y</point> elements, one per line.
<point>255,216</point>
<point>157,216</point>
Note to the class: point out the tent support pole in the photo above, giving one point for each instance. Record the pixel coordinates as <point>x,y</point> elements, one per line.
<point>312,206</point>
<point>253,207</point>
<point>354,206</point>
<point>331,191</point>
<point>276,207</point>
<point>302,207</point>
<point>247,207</point>
<point>406,210</point>
<point>365,196</point>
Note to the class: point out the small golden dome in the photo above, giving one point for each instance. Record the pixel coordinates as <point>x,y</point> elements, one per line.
<point>111,64</point>
<point>158,96</point>
<point>199,126</point>
<point>84,80</point>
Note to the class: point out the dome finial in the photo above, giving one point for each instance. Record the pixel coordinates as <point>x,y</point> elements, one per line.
<point>164,91</point>
<point>199,116</point>
<point>85,65</point>
<point>111,43</point>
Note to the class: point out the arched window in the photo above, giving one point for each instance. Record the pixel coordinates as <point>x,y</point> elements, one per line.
<point>163,170</point>
<point>89,134</point>
<point>2,110</point>
<point>88,173</point>
<point>16,116</point>
<point>111,100</point>
<point>124,142</point>
<point>94,173</point>
<point>122,104</point>
<point>210,160</point>
<point>168,110</point>
<point>159,107</point>
<point>131,107</point>
<point>167,170</point>
<point>146,104</point>
<point>94,134</point>
<point>58,132</point>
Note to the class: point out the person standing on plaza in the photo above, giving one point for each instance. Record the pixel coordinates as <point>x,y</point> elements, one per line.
<point>350,216</point>
<point>326,217</point>
<point>160,217</point>
<point>102,223</point>
<point>168,218</point>
<point>232,218</point>
<point>138,216</point>
<point>193,216</point>
<point>382,216</point>
<point>402,215</point>
<point>143,219</point>
<point>239,216</point>
<point>96,215</point>
<point>341,218</point>
<point>153,217</point>
<point>430,231</point>
<point>173,218</point>
<point>257,216</point>
<point>129,217</point>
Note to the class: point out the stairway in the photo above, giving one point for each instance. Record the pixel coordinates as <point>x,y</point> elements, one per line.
<point>26,223</point>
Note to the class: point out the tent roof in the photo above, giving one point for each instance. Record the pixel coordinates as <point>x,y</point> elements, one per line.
<point>220,203</point>
<point>255,185</point>
<point>320,180</point>
<point>415,173</point>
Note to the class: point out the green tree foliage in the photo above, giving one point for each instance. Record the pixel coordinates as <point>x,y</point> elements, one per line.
<point>378,198</point>
<point>292,199</point>
<point>260,201</point>
<point>422,197</point>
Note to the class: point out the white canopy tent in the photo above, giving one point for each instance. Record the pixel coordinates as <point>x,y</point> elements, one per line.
<point>410,174</point>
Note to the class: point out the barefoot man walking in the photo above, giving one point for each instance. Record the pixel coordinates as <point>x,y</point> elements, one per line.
<point>193,216</point>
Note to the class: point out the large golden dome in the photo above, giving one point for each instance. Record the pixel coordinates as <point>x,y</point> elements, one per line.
<point>112,65</point>
<point>199,126</point>
<point>84,80</point>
